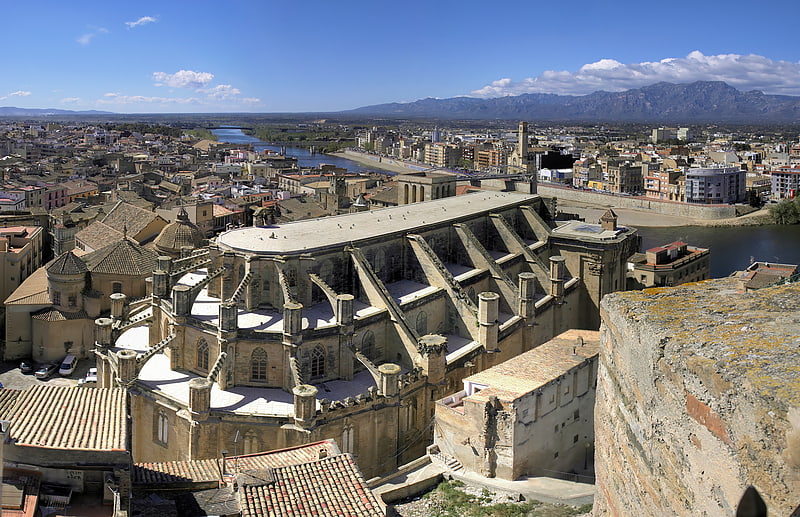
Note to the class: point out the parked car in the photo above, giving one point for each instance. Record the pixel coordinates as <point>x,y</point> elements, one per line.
<point>46,371</point>
<point>26,366</point>
<point>68,366</point>
<point>90,379</point>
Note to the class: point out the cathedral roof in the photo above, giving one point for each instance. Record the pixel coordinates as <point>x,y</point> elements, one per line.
<point>67,264</point>
<point>179,233</point>
<point>122,258</point>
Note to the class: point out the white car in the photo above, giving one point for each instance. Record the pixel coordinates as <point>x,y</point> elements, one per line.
<point>68,365</point>
<point>90,379</point>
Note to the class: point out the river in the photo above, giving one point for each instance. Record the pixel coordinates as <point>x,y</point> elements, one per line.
<point>304,157</point>
<point>732,248</point>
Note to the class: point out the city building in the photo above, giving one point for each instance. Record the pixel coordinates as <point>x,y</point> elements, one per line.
<point>763,274</point>
<point>672,264</point>
<point>21,253</point>
<point>716,185</point>
<point>531,415</point>
<point>64,442</point>
<point>349,326</point>
<point>444,155</point>
<point>424,186</point>
<point>785,182</point>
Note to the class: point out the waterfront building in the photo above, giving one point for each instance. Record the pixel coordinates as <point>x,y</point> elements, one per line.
<point>672,264</point>
<point>716,185</point>
<point>349,326</point>
<point>785,182</point>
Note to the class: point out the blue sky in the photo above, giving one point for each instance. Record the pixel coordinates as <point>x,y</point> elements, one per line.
<point>292,56</point>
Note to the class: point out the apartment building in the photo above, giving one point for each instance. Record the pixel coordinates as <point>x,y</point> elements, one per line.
<point>715,185</point>
<point>785,182</point>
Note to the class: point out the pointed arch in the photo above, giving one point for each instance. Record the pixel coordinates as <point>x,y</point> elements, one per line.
<point>202,355</point>
<point>258,365</point>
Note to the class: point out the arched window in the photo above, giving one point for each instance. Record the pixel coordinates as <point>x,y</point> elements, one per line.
<point>116,287</point>
<point>162,427</point>
<point>368,345</point>
<point>347,438</point>
<point>251,443</point>
<point>241,272</point>
<point>422,323</point>
<point>317,362</point>
<point>258,365</point>
<point>202,355</point>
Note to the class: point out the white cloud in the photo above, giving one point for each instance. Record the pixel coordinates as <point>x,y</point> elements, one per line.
<point>183,79</point>
<point>144,20</point>
<point>87,38</point>
<point>744,72</point>
<point>18,93</point>
<point>70,100</point>
<point>221,92</point>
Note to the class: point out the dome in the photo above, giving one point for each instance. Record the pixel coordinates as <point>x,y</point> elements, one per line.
<point>67,264</point>
<point>178,234</point>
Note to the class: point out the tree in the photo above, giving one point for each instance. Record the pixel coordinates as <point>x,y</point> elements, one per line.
<point>785,212</point>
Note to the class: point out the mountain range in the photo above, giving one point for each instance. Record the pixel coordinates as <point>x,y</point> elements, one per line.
<point>9,111</point>
<point>701,101</point>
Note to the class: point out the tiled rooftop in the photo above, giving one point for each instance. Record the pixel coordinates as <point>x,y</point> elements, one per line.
<point>123,257</point>
<point>64,417</point>
<point>332,486</point>
<point>535,368</point>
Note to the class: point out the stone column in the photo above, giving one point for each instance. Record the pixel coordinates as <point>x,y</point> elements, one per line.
<point>253,290</point>
<point>160,283</point>
<point>305,405</point>
<point>293,323</point>
<point>126,360</point>
<point>180,300</point>
<point>557,277</point>
<point>389,373</point>
<point>199,398</point>
<point>433,349</point>
<point>228,317</point>
<point>488,311</point>
<point>344,319</point>
<point>118,306</point>
<point>229,276</point>
<point>102,331</point>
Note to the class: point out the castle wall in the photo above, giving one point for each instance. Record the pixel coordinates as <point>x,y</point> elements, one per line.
<point>698,397</point>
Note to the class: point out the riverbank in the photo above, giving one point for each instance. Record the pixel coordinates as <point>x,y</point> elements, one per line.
<point>372,161</point>
<point>632,217</point>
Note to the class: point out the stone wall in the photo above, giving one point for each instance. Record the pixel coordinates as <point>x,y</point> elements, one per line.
<point>641,203</point>
<point>698,397</point>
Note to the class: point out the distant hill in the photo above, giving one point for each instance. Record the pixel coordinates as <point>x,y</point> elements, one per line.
<point>8,111</point>
<point>702,101</point>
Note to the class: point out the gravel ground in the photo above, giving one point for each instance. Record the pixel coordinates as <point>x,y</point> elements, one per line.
<point>433,503</point>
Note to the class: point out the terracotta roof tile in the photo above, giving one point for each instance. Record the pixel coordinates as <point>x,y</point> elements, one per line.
<point>67,264</point>
<point>123,257</point>
<point>332,486</point>
<point>65,417</point>
<point>126,215</point>
<point>32,290</point>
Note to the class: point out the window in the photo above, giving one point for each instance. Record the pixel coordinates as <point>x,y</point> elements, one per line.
<point>575,439</point>
<point>56,298</point>
<point>251,445</point>
<point>576,415</point>
<point>368,345</point>
<point>347,438</point>
<point>116,287</point>
<point>72,300</point>
<point>258,365</point>
<point>317,362</point>
<point>422,323</point>
<point>202,355</point>
<point>162,428</point>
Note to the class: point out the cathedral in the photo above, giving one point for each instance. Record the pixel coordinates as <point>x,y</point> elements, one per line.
<point>347,327</point>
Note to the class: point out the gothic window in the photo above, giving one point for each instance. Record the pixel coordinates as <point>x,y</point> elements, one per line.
<point>258,365</point>
<point>202,355</point>
<point>347,438</point>
<point>291,277</point>
<point>380,261</point>
<point>317,362</point>
<point>162,428</point>
<point>251,444</point>
<point>422,323</point>
<point>368,345</point>
<point>116,287</point>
